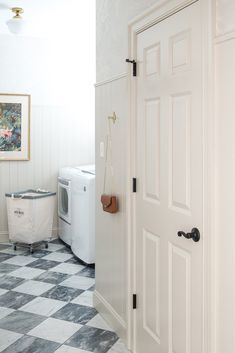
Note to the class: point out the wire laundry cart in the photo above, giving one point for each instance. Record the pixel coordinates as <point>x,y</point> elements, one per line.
<point>30,217</point>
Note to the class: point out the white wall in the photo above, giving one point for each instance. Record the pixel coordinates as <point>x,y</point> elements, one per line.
<point>225,175</point>
<point>111,36</point>
<point>60,79</point>
<point>111,229</point>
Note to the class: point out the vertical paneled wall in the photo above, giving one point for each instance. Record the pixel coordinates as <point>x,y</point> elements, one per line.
<point>53,145</point>
<point>111,228</point>
<point>62,122</point>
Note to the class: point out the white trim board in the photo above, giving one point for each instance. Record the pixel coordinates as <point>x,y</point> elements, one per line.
<point>154,15</point>
<point>109,314</point>
<point>4,237</point>
<point>225,37</point>
<point>111,79</point>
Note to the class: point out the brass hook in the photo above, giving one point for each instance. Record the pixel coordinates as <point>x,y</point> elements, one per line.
<point>113,117</point>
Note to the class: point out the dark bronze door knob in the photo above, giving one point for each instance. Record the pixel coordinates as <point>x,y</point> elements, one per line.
<point>194,234</point>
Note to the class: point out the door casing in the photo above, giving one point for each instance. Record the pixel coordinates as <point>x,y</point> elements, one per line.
<point>151,17</point>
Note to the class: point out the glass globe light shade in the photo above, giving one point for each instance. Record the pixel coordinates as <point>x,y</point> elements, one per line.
<point>16,25</point>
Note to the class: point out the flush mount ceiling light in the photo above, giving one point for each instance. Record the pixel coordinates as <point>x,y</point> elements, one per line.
<point>16,24</point>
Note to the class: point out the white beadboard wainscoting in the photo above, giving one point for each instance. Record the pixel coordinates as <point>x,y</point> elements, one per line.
<point>111,229</point>
<point>59,137</point>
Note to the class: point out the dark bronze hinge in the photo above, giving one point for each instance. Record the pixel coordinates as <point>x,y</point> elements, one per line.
<point>134,187</point>
<point>134,301</point>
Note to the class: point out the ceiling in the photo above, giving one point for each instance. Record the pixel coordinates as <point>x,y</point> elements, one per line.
<point>45,18</point>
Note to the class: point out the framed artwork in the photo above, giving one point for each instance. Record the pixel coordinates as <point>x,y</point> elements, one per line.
<point>14,127</point>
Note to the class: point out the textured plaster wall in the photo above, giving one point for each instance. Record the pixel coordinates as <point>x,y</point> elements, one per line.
<point>225,16</point>
<point>112,36</point>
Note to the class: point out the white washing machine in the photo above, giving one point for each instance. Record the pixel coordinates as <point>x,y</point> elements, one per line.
<point>76,209</point>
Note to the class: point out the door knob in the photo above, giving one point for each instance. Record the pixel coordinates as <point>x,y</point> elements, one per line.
<point>194,234</point>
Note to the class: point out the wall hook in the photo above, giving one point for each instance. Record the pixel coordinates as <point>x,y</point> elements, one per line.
<point>113,117</point>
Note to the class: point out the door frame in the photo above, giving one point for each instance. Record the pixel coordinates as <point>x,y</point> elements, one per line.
<point>154,15</point>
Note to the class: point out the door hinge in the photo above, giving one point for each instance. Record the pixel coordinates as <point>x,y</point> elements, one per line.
<point>134,301</point>
<point>134,66</point>
<point>133,184</point>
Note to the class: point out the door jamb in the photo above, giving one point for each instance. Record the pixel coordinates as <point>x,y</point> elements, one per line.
<point>152,16</point>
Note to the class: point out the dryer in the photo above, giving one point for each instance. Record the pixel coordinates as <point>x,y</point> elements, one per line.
<point>83,214</point>
<point>76,210</point>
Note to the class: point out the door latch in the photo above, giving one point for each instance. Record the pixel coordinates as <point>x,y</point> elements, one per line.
<point>134,66</point>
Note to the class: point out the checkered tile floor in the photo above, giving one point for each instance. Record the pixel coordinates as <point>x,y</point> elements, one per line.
<point>46,304</point>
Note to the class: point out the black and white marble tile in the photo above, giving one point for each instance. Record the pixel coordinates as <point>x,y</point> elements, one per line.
<point>7,268</point>
<point>20,321</point>
<point>9,282</point>
<point>43,306</point>
<point>85,298</point>
<point>4,312</point>
<point>62,293</point>
<point>30,344</point>
<point>92,288</point>
<point>78,282</point>
<point>11,251</point>
<point>87,272</point>
<point>98,322</point>
<point>68,349</point>
<point>19,260</point>
<point>65,250</point>
<point>46,304</point>
<point>54,247</point>
<point>58,256</point>
<point>93,339</point>
<point>119,347</point>
<point>52,277</point>
<point>56,241</point>
<point>15,300</point>
<point>76,313</point>
<point>4,246</point>
<point>38,253</point>
<point>67,268</point>
<point>74,260</point>
<point>26,272</point>
<point>8,338</point>
<point>55,330</point>
<point>43,264</point>
<point>4,257</point>
<point>34,287</point>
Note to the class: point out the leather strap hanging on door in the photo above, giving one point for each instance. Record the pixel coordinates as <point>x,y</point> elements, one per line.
<point>109,201</point>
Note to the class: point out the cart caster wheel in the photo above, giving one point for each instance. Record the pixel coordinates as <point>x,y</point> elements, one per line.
<point>14,247</point>
<point>46,245</point>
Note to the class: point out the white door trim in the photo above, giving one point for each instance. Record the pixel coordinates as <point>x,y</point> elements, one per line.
<point>152,16</point>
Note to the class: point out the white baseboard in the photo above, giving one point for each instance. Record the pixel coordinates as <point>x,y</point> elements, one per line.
<point>5,238</point>
<point>110,315</point>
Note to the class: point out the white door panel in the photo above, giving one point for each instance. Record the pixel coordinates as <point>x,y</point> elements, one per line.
<point>169,141</point>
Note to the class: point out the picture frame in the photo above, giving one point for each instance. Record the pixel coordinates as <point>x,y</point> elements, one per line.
<point>15,127</point>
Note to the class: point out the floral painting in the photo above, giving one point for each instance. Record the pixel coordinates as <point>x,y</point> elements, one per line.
<point>10,126</point>
<point>14,126</point>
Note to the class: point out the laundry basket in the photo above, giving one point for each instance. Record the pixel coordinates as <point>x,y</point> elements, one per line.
<point>30,217</point>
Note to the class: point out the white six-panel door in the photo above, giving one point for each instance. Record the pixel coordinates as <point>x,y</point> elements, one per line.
<point>169,166</point>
